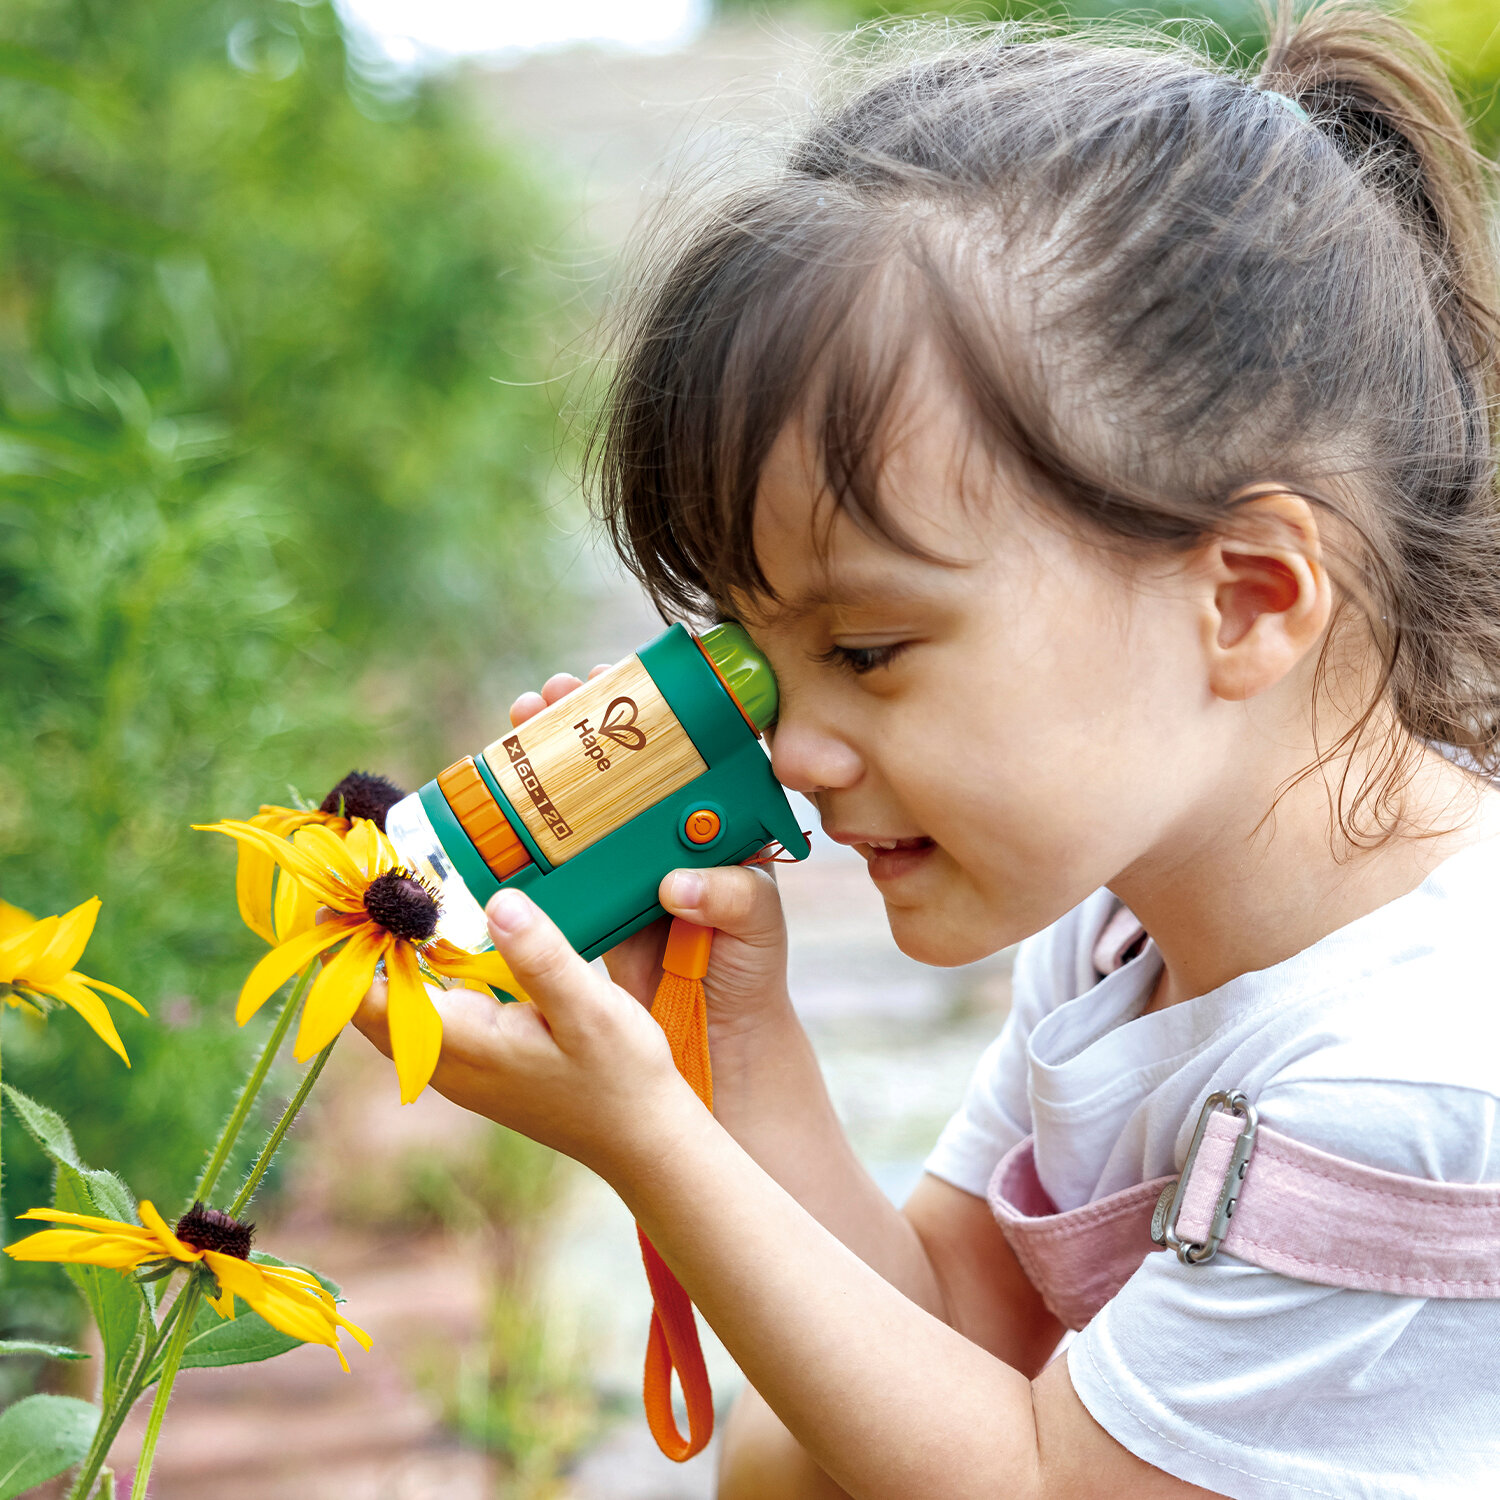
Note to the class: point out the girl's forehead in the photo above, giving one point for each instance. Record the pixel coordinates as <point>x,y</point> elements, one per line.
<point>940,497</point>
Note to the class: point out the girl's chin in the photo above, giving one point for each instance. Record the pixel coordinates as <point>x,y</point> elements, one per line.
<point>938,926</point>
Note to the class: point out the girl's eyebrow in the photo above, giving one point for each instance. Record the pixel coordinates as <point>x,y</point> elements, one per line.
<point>854,593</point>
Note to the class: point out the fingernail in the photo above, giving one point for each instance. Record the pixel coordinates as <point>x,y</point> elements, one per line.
<point>687,888</point>
<point>510,912</point>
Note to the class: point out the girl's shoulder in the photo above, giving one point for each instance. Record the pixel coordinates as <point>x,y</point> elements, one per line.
<point>1380,1042</point>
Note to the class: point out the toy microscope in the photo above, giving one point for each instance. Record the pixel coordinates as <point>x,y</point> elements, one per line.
<point>653,765</point>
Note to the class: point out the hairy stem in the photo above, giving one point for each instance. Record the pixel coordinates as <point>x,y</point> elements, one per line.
<point>113,1419</point>
<point>241,1112</point>
<point>273,1142</point>
<point>188,1302</point>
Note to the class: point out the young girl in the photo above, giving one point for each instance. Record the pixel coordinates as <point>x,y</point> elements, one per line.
<point>1097,442</point>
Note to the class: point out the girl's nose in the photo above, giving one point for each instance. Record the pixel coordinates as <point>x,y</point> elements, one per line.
<point>806,756</point>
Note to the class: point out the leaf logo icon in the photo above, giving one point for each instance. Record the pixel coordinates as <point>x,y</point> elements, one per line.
<point>619,724</point>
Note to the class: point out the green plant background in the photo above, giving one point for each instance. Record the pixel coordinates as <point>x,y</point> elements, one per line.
<point>277,463</point>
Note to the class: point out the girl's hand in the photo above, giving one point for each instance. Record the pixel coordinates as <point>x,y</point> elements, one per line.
<point>746,980</point>
<point>582,1069</point>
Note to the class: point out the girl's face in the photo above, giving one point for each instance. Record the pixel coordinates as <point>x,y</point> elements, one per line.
<point>1028,725</point>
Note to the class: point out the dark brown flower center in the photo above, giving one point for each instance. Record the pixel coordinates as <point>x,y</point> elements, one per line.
<point>210,1229</point>
<point>402,905</point>
<point>362,794</point>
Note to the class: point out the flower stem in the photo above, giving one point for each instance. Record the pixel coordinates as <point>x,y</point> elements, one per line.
<point>111,1422</point>
<point>284,1124</point>
<point>3,989</point>
<point>241,1112</point>
<point>188,1302</point>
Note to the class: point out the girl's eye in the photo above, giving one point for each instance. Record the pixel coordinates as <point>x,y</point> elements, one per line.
<point>861,659</point>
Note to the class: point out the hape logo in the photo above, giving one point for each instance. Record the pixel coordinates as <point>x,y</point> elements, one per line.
<point>618,725</point>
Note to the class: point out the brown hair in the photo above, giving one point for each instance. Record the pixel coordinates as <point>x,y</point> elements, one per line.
<point>1155,284</point>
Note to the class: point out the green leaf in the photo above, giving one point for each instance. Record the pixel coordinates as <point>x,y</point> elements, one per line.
<point>107,1194</point>
<point>40,1437</point>
<point>245,1339</point>
<point>118,1305</point>
<point>30,1346</point>
<point>46,1127</point>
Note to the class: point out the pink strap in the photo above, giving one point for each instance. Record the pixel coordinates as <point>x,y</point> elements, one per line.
<point>1337,1222</point>
<point>1298,1211</point>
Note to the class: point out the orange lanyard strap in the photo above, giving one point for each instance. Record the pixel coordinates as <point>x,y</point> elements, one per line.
<point>680,1010</point>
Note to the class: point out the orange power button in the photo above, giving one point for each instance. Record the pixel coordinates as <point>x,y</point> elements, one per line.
<point>702,827</point>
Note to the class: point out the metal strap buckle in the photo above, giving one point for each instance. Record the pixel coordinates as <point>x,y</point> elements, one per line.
<point>1169,1204</point>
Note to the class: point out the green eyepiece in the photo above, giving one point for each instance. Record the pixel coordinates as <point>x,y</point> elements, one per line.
<point>747,673</point>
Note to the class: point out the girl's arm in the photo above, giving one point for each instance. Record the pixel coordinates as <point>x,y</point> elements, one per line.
<point>986,1296</point>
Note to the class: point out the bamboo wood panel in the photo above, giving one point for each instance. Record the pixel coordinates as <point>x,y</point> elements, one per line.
<point>592,761</point>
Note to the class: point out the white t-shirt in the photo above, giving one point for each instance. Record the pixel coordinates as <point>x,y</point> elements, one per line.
<point>1381,1043</point>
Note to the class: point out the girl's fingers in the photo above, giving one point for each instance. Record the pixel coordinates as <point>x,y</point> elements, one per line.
<point>741,901</point>
<point>525,706</point>
<point>370,1018</point>
<point>555,687</point>
<point>567,993</point>
<point>635,963</point>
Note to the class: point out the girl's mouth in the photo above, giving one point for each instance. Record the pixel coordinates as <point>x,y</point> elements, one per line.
<point>890,859</point>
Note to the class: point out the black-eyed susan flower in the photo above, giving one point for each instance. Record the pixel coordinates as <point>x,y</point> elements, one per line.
<point>37,958</point>
<point>380,911</point>
<point>287,1298</point>
<point>361,794</point>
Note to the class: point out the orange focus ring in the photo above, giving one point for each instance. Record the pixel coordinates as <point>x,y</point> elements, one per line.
<point>478,813</point>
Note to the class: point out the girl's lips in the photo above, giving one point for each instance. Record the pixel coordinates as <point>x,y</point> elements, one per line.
<point>892,864</point>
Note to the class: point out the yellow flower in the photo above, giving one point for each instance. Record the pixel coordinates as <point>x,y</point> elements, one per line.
<point>361,794</point>
<point>287,1298</point>
<point>380,911</point>
<point>37,958</point>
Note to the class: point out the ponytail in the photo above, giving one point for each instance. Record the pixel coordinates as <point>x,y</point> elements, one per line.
<point>1383,99</point>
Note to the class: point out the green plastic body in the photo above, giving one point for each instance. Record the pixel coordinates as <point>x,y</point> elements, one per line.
<point>608,891</point>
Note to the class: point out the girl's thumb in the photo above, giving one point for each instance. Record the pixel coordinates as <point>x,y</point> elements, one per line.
<point>734,898</point>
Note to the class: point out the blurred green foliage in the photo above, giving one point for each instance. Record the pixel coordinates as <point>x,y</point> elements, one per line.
<point>274,462</point>
<point>1465,32</point>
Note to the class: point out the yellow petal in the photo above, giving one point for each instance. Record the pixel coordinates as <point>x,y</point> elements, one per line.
<point>288,958</point>
<point>282,820</point>
<point>301,1277</point>
<point>82,1247</point>
<point>374,853</point>
<point>291,858</point>
<point>324,846</point>
<point>488,968</point>
<point>415,1026</point>
<point>170,1244</point>
<point>21,952</point>
<point>91,1008</point>
<point>85,1221</point>
<point>337,991</point>
<point>13,919</point>
<point>306,1280</point>
<point>296,908</point>
<point>359,848</point>
<point>223,1304</point>
<point>109,989</point>
<point>283,1305</point>
<point>253,874</point>
<point>69,939</point>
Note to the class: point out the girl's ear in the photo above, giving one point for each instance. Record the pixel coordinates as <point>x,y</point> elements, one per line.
<point>1266,596</point>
